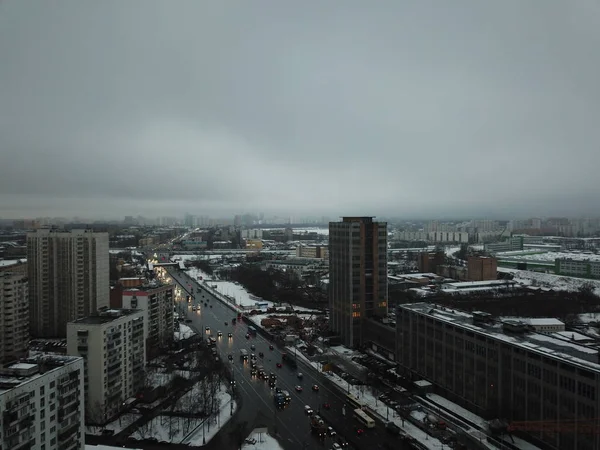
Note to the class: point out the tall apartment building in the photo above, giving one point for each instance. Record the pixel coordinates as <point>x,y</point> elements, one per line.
<point>112,346</point>
<point>14,317</point>
<point>357,275</point>
<point>504,369</point>
<point>41,401</point>
<point>68,278</point>
<point>156,303</point>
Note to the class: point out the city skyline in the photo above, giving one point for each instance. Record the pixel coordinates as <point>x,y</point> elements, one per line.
<point>406,109</point>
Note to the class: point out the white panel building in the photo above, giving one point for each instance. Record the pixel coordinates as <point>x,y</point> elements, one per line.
<point>41,401</point>
<point>113,347</point>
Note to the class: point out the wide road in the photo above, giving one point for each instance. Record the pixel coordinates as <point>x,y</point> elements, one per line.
<point>292,424</point>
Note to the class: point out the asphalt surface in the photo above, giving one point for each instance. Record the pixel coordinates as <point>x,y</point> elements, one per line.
<point>291,426</point>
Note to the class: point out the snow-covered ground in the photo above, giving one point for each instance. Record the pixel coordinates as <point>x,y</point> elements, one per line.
<point>547,256</point>
<point>198,274</point>
<point>106,447</point>
<point>117,425</point>
<point>261,441</point>
<point>546,280</point>
<point>190,431</point>
<point>162,377</point>
<point>184,332</point>
<point>237,293</point>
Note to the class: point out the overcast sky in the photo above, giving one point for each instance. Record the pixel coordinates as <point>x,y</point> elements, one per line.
<point>408,108</point>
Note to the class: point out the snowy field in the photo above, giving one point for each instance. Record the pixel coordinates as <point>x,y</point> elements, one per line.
<point>190,431</point>
<point>185,332</point>
<point>237,293</point>
<point>546,280</point>
<point>117,425</point>
<point>548,256</point>
<point>261,441</point>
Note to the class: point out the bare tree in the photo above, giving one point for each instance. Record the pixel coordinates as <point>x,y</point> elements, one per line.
<point>94,414</point>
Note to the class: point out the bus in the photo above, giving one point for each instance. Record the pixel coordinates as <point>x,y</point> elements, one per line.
<point>353,401</point>
<point>364,418</point>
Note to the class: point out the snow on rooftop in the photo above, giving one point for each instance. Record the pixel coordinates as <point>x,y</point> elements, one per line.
<point>549,257</point>
<point>11,262</point>
<point>542,321</point>
<point>22,366</point>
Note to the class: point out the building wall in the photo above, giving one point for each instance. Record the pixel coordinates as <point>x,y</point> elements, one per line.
<point>495,378</point>
<point>14,316</point>
<point>68,278</point>
<point>114,356</point>
<point>453,237</point>
<point>576,268</point>
<point>481,268</point>
<point>156,305</point>
<point>312,251</point>
<point>357,275</point>
<point>47,408</point>
<point>16,266</point>
<point>254,244</point>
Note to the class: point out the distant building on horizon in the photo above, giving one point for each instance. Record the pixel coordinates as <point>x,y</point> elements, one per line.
<point>68,278</point>
<point>358,287</point>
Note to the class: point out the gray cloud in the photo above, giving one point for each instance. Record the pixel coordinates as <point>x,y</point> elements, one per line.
<point>396,107</point>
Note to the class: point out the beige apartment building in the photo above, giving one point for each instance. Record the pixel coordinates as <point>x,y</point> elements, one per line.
<point>14,317</point>
<point>68,278</point>
<point>357,276</point>
<point>156,303</point>
<point>42,407</point>
<point>504,369</point>
<point>312,251</point>
<point>113,348</point>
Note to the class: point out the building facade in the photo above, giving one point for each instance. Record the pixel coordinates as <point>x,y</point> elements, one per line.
<point>503,369</point>
<point>577,267</point>
<point>156,304</point>
<point>14,317</point>
<point>112,345</point>
<point>482,268</point>
<point>357,276</point>
<point>312,251</point>
<point>42,404</point>
<point>68,278</point>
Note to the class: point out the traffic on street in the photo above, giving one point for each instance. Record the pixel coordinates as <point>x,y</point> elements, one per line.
<point>303,387</point>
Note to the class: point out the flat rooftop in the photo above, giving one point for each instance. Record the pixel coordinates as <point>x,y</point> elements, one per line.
<point>552,346</point>
<point>49,361</point>
<point>105,316</point>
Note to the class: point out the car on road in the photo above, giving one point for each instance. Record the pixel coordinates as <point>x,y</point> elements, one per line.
<point>207,329</point>
<point>360,432</point>
<point>279,365</point>
<point>298,388</point>
<point>229,335</point>
<point>326,406</point>
<point>271,347</point>
<point>261,354</point>
<point>342,443</point>
<point>219,334</point>
<point>315,388</point>
<point>253,373</point>
<point>247,336</point>
<point>336,446</point>
<point>253,357</point>
<point>230,357</point>
<point>308,410</point>
<point>253,347</point>
<point>226,323</point>
<point>331,432</point>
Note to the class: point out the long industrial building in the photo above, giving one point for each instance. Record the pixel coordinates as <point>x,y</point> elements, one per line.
<point>543,383</point>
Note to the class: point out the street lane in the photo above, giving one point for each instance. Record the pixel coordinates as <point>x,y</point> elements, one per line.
<point>292,424</point>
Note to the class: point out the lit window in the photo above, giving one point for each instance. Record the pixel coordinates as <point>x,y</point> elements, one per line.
<point>356,314</point>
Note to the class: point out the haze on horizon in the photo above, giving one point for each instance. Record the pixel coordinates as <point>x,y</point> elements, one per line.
<point>415,108</point>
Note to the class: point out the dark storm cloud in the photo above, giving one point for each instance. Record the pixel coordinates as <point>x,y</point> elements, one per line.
<point>397,107</point>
